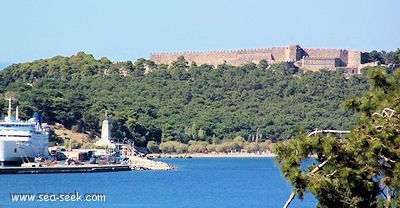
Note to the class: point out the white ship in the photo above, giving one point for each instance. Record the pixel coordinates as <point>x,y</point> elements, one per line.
<point>22,141</point>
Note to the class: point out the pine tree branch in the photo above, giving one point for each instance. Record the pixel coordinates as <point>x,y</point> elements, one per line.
<point>318,167</point>
<point>387,159</point>
<point>291,197</point>
<point>328,131</point>
<point>293,194</point>
<point>331,174</point>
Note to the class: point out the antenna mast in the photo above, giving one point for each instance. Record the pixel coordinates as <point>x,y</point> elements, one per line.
<point>10,99</point>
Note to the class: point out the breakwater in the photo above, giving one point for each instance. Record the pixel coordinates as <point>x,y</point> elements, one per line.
<point>138,163</point>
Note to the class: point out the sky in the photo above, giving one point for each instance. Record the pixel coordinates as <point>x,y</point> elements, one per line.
<point>124,30</point>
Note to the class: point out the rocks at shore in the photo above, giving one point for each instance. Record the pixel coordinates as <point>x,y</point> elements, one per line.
<point>138,163</point>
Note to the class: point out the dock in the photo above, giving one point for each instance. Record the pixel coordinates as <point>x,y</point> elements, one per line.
<point>64,169</point>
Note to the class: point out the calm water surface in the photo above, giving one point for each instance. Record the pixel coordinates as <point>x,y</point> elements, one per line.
<point>198,182</point>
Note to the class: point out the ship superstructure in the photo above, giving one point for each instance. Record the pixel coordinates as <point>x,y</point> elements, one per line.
<point>22,141</point>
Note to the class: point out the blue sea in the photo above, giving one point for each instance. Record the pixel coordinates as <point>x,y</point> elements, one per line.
<point>198,182</point>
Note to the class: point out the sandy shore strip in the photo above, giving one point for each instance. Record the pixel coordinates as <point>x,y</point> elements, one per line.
<point>210,155</point>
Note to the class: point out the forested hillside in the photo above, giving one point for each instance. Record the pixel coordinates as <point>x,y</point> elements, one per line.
<point>181,102</point>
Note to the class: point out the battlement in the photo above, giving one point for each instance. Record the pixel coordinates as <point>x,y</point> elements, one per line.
<point>325,49</point>
<point>326,58</point>
<point>217,51</point>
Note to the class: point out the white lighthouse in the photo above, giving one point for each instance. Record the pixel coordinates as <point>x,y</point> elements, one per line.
<point>105,139</point>
<point>105,129</point>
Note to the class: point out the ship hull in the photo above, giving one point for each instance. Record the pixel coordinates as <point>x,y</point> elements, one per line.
<point>22,141</point>
<point>13,152</point>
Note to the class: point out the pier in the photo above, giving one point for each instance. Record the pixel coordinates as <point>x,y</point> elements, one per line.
<point>134,163</point>
<point>64,169</point>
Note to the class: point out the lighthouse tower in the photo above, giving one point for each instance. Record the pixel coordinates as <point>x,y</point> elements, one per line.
<point>105,129</point>
<point>105,139</point>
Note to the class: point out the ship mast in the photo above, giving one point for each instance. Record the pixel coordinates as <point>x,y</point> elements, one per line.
<point>16,113</point>
<point>10,99</point>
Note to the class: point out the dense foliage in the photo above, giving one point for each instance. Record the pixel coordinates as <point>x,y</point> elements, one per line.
<point>181,102</point>
<point>237,145</point>
<point>388,58</point>
<point>360,169</point>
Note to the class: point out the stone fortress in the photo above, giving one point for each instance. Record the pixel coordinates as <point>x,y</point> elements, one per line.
<point>305,58</point>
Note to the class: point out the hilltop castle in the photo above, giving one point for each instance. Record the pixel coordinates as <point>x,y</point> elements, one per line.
<point>305,58</point>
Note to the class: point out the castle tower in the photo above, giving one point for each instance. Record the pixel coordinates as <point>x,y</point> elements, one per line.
<point>292,53</point>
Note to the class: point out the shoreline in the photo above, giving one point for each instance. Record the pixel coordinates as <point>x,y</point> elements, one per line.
<point>212,155</point>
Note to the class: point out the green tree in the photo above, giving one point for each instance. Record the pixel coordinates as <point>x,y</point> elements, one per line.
<point>263,64</point>
<point>180,63</point>
<point>391,58</point>
<point>357,170</point>
<point>375,56</point>
<point>252,147</point>
<point>167,147</point>
<point>201,134</point>
<point>180,148</point>
<point>196,146</point>
<point>153,147</point>
<point>167,133</point>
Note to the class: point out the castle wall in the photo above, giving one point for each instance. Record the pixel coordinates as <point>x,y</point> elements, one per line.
<point>235,57</point>
<point>323,53</point>
<point>313,58</point>
<point>319,63</point>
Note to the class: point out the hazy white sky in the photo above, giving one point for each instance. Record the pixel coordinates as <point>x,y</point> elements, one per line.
<point>128,29</point>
